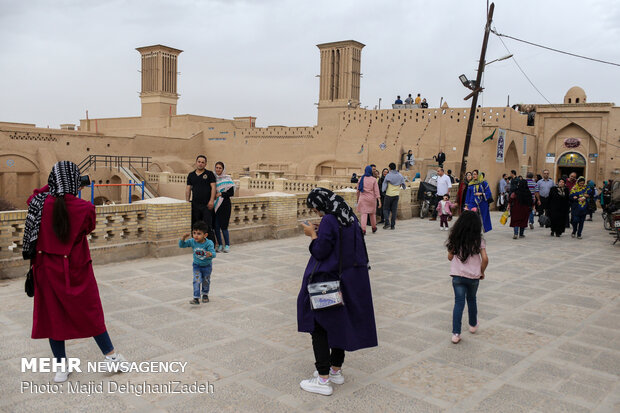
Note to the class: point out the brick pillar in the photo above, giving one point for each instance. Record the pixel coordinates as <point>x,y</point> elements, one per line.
<point>350,198</point>
<point>404,204</point>
<point>324,184</point>
<point>282,215</point>
<point>164,177</point>
<point>165,224</point>
<point>278,184</point>
<point>244,182</point>
<point>415,204</point>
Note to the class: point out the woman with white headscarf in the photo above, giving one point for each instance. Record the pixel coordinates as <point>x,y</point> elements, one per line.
<point>225,188</point>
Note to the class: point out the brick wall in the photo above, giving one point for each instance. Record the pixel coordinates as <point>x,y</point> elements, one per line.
<point>138,230</point>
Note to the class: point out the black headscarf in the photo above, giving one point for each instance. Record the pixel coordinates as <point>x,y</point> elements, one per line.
<point>524,195</point>
<point>63,179</point>
<point>328,202</point>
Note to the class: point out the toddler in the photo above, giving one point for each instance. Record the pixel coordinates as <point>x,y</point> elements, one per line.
<point>444,208</point>
<point>204,252</point>
<point>468,260</point>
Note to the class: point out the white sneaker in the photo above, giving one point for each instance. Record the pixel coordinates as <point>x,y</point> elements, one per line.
<point>334,377</point>
<point>61,376</point>
<point>114,365</point>
<point>314,385</point>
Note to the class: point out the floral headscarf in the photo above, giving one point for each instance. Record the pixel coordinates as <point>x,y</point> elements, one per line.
<point>328,202</point>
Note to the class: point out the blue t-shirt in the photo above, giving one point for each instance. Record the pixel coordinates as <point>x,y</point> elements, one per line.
<point>200,250</point>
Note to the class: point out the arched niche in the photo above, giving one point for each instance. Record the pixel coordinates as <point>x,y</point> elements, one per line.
<point>511,158</point>
<point>571,137</point>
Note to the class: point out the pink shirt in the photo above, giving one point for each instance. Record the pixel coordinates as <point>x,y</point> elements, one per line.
<point>470,268</point>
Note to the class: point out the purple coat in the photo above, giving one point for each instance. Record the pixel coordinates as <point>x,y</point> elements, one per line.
<point>352,326</point>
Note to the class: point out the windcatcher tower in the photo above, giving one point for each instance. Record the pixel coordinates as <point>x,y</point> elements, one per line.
<point>340,78</point>
<point>159,80</point>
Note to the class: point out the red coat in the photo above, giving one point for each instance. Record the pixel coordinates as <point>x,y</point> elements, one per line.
<point>519,213</point>
<point>66,300</point>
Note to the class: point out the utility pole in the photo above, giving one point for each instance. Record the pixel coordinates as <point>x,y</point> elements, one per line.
<point>474,101</point>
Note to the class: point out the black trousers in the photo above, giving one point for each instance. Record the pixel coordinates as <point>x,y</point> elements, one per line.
<point>390,204</point>
<point>324,358</point>
<point>203,213</point>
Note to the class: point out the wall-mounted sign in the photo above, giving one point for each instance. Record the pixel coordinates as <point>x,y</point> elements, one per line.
<point>501,140</point>
<point>572,143</point>
<point>550,159</point>
<point>593,155</point>
<point>524,144</point>
<point>572,159</point>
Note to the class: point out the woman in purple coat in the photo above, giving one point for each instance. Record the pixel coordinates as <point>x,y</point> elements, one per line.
<point>349,327</point>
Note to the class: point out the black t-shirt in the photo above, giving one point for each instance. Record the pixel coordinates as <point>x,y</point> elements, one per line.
<point>201,186</point>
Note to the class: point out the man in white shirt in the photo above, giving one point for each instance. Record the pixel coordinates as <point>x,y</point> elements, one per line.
<point>443,187</point>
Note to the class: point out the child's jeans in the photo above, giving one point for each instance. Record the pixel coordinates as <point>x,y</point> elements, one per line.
<point>464,289</point>
<point>443,219</point>
<point>202,275</point>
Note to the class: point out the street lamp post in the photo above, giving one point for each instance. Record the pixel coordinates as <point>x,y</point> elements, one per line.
<point>476,89</point>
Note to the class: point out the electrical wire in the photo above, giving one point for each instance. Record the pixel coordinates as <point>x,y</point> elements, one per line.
<point>545,98</point>
<point>500,35</point>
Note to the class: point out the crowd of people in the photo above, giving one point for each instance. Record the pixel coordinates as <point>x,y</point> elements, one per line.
<point>563,204</point>
<point>334,303</point>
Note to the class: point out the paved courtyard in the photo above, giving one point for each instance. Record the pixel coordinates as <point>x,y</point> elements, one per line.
<point>549,339</point>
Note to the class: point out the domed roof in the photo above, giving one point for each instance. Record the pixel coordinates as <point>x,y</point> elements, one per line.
<point>575,95</point>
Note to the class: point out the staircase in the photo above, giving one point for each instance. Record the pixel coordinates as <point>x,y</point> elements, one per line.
<point>127,165</point>
<point>135,177</point>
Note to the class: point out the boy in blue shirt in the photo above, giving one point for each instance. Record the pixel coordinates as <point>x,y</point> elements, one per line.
<point>204,252</point>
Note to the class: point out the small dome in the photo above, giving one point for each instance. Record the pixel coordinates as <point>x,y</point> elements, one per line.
<point>575,95</point>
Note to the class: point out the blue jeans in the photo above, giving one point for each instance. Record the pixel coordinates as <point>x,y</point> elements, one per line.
<point>218,228</point>
<point>577,222</point>
<point>202,275</point>
<point>464,289</point>
<point>532,212</point>
<point>519,231</point>
<point>102,340</point>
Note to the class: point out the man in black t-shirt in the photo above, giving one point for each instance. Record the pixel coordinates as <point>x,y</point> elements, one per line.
<point>201,187</point>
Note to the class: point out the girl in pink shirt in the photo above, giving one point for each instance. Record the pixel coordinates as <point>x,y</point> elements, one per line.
<point>468,260</point>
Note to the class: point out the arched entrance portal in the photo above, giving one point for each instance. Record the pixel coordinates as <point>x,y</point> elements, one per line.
<point>571,162</point>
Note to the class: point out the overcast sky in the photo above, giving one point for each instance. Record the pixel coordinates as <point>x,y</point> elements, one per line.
<point>259,58</point>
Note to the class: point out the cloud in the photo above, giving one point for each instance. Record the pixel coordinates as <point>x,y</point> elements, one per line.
<point>259,58</point>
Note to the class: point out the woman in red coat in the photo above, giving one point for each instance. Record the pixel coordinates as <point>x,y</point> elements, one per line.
<point>66,299</point>
<point>520,205</point>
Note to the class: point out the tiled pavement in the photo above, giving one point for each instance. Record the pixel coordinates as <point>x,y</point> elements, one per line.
<point>549,339</point>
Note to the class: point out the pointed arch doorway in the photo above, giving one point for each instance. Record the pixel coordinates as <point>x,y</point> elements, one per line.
<point>571,162</point>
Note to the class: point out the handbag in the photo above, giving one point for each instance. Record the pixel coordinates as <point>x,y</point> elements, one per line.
<point>326,294</point>
<point>504,217</point>
<point>29,285</point>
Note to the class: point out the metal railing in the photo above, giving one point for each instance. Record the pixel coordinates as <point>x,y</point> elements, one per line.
<point>114,161</point>
<point>140,178</point>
